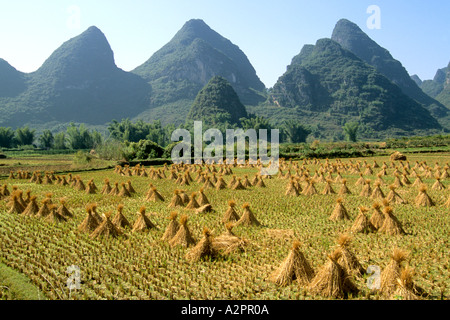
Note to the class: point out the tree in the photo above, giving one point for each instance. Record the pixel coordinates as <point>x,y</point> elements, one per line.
<point>82,138</point>
<point>24,136</point>
<point>255,122</point>
<point>60,141</point>
<point>351,131</point>
<point>6,137</point>
<point>46,139</point>
<point>295,132</point>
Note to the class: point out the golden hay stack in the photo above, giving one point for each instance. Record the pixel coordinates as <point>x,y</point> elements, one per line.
<point>89,223</point>
<point>143,222</point>
<point>367,190</point>
<point>391,225</point>
<point>377,193</point>
<point>90,189</point>
<point>332,281</point>
<point>172,227</point>
<point>32,208</point>
<point>347,259</point>
<point>106,187</point>
<point>362,223</point>
<point>291,190</point>
<point>390,274</point>
<point>176,200</point>
<point>231,214</point>
<point>202,199</point>
<point>260,182</point>
<point>220,184</point>
<point>344,189</point>
<point>238,185</point>
<point>204,209</point>
<point>115,190</point>
<point>95,213</point>
<point>438,185</point>
<point>119,220</point>
<point>124,191</point>
<point>393,196</point>
<point>54,216</point>
<point>62,209</point>
<point>193,204</point>
<point>154,196</point>
<point>406,290</point>
<point>339,212</point>
<point>423,199</point>
<point>15,206</point>
<point>247,218</point>
<point>228,242</point>
<point>106,228</point>
<point>377,217</point>
<point>328,188</point>
<point>203,248</point>
<point>45,208</point>
<point>130,187</point>
<point>294,267</point>
<point>184,197</point>
<point>183,236</point>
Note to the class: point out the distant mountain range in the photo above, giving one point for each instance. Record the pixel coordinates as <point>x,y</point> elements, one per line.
<point>348,77</point>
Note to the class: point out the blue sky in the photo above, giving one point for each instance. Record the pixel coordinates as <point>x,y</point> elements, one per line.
<point>269,32</point>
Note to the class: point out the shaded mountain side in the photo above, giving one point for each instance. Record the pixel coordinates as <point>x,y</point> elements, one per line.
<point>352,38</point>
<point>12,82</point>
<point>216,103</point>
<point>193,56</point>
<point>79,82</point>
<point>333,83</point>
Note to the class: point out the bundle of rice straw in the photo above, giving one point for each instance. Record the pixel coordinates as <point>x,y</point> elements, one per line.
<point>143,222</point>
<point>220,184</point>
<point>377,193</point>
<point>291,190</point>
<point>418,182</point>
<point>115,190</point>
<point>347,258</point>
<point>106,187</point>
<point>202,199</point>
<point>332,281</point>
<point>361,181</point>
<point>438,185</point>
<point>89,223</point>
<point>294,267</point>
<point>193,204</point>
<point>15,205</point>
<point>45,208</point>
<point>328,188</point>
<point>32,208</point>
<point>62,209</point>
<point>390,274</point>
<point>79,185</point>
<point>391,225</point>
<point>208,184</point>
<point>183,236</point>
<point>130,187</point>
<point>90,189</point>
<point>228,242</point>
<point>203,248</point>
<point>339,212</point>
<point>53,216</point>
<point>184,197</point>
<point>310,189</point>
<point>124,191</point>
<point>238,185</point>
<point>106,228</point>
<point>204,209</point>
<point>63,181</point>
<point>95,213</point>
<point>172,227</point>
<point>246,183</point>
<point>247,218</point>
<point>423,199</point>
<point>119,220</point>
<point>405,180</point>
<point>394,197</point>
<point>397,182</point>
<point>154,196</point>
<point>406,289</point>
<point>377,217</point>
<point>362,223</point>
<point>344,189</point>
<point>232,181</point>
<point>230,215</point>
<point>260,182</point>
<point>367,190</point>
<point>5,192</point>
<point>255,179</point>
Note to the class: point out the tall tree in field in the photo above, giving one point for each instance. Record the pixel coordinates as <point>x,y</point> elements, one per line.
<point>295,132</point>
<point>24,136</point>
<point>46,139</point>
<point>6,137</point>
<point>351,131</point>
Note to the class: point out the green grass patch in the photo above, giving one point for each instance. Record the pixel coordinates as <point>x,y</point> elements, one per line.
<point>16,286</point>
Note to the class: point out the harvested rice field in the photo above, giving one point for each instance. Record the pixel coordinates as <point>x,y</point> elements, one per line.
<point>366,228</point>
